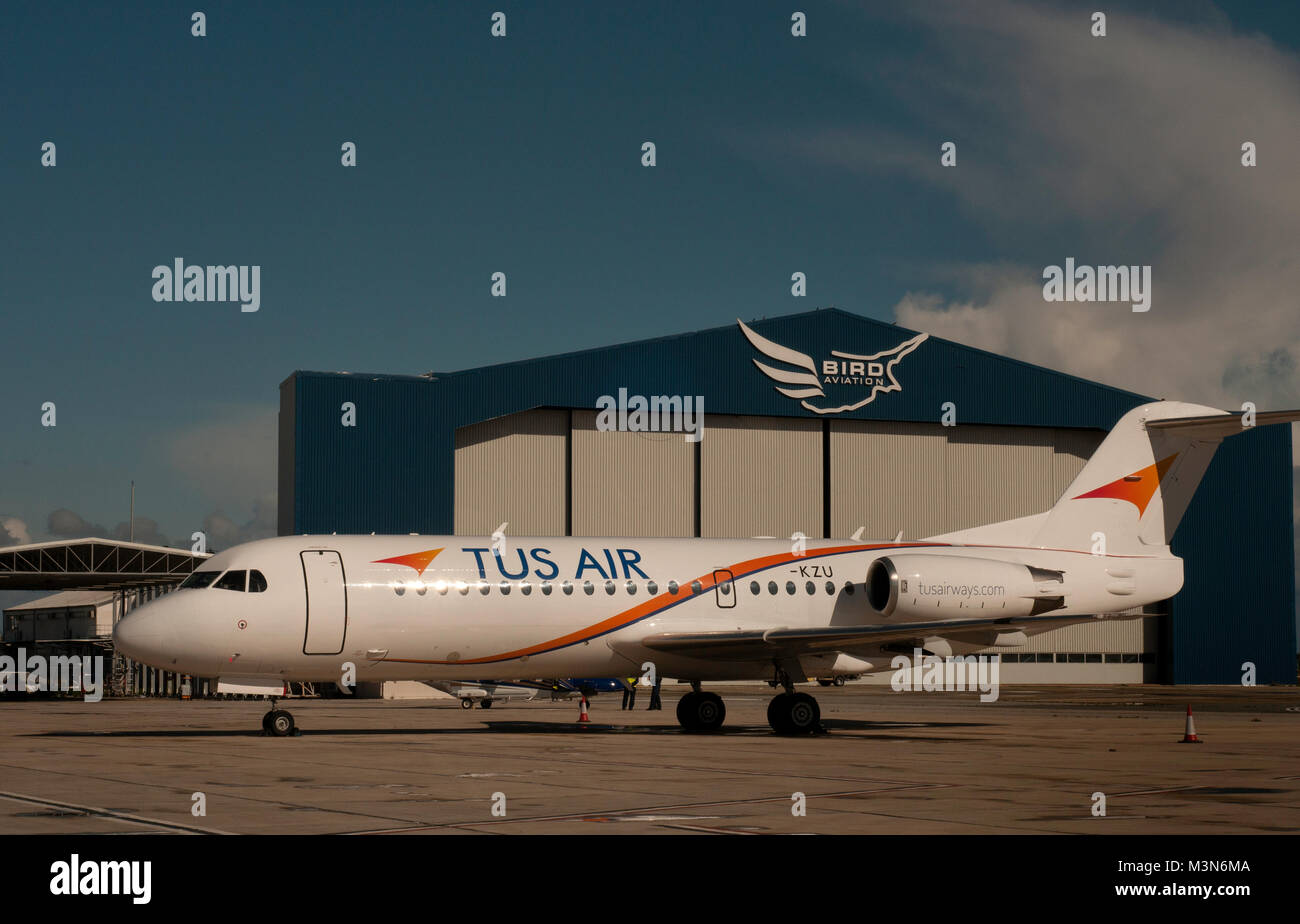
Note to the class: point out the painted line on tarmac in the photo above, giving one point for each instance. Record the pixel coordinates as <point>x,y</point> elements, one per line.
<point>646,810</point>
<point>109,813</point>
<point>1154,792</point>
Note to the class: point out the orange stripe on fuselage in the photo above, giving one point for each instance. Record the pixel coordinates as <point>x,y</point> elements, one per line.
<point>665,600</point>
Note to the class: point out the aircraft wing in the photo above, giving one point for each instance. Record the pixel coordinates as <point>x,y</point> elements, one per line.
<point>766,644</point>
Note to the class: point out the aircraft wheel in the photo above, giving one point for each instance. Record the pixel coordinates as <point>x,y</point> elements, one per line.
<point>839,681</point>
<point>824,683</point>
<point>281,724</point>
<point>794,714</point>
<point>467,704</point>
<point>486,704</point>
<point>775,709</point>
<point>803,714</point>
<point>702,712</point>
<point>266,720</point>
<point>686,711</point>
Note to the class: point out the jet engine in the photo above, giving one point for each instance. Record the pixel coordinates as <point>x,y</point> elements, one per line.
<point>921,587</point>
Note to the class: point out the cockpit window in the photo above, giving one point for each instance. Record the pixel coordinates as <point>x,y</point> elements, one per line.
<point>257,583</point>
<point>200,579</point>
<point>232,580</point>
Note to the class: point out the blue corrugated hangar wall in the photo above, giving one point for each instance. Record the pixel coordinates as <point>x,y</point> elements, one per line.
<point>394,471</point>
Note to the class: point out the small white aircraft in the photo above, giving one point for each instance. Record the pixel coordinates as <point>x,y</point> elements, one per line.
<point>454,608</point>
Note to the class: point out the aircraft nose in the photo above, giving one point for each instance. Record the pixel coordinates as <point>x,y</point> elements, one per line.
<point>145,635</point>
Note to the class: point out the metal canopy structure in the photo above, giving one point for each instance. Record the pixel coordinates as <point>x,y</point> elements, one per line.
<point>93,564</point>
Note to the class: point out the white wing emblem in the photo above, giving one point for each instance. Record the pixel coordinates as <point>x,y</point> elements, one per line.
<point>809,382</point>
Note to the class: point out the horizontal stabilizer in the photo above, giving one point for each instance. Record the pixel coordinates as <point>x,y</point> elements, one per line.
<point>1217,426</point>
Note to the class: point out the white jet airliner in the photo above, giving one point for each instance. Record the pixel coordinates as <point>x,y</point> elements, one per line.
<point>303,608</point>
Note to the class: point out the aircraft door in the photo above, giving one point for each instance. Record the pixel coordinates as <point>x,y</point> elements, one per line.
<point>327,602</point>
<point>724,589</point>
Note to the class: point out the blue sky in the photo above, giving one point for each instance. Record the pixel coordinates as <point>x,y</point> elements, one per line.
<point>522,154</point>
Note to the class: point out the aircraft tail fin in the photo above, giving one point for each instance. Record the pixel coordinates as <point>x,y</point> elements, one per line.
<point>1132,493</point>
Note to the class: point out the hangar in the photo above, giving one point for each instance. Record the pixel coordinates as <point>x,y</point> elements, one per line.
<point>819,423</point>
<point>98,581</point>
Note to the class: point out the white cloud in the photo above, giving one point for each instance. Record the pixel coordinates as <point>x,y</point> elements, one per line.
<point>13,531</point>
<point>1129,148</point>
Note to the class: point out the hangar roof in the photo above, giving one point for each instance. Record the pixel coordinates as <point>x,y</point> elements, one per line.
<point>723,364</point>
<point>92,563</point>
<point>65,600</point>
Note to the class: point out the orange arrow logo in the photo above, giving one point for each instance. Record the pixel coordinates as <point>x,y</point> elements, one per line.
<point>417,560</point>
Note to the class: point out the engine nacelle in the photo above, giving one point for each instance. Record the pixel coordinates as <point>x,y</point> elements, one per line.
<point>947,586</point>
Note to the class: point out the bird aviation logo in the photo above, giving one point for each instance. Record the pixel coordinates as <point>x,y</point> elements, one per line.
<point>844,373</point>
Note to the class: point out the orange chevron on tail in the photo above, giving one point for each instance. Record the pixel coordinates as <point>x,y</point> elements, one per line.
<point>1137,488</point>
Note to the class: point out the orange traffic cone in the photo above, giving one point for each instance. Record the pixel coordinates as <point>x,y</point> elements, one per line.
<point>582,716</point>
<point>1189,736</point>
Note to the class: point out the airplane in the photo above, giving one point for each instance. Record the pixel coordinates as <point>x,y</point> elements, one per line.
<point>458,608</point>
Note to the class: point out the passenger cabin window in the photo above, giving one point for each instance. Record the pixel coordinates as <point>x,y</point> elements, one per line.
<point>652,588</point>
<point>696,587</point>
<point>199,579</point>
<point>256,582</point>
<point>672,587</point>
<point>233,580</point>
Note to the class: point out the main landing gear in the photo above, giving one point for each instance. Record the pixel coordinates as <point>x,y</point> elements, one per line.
<point>699,711</point>
<point>792,713</point>
<point>278,722</point>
